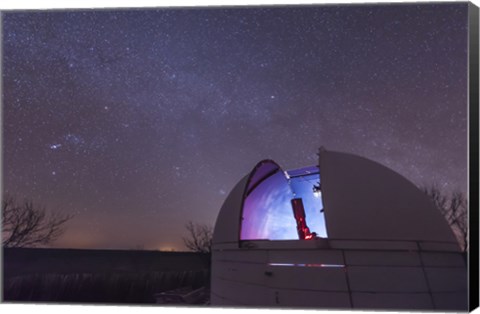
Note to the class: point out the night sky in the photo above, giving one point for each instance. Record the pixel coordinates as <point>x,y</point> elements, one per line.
<point>137,121</point>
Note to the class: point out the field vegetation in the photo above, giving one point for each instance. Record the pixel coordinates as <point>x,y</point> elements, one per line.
<point>99,276</point>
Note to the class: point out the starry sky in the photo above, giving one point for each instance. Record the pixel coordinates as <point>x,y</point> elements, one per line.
<point>137,121</point>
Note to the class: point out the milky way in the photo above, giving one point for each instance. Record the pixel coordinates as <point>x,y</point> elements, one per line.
<point>137,121</point>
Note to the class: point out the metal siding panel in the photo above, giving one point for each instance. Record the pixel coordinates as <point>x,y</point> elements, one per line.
<point>241,293</point>
<point>386,279</point>
<point>434,246</point>
<point>447,279</point>
<point>219,301</point>
<point>405,301</point>
<point>451,301</point>
<point>373,245</point>
<point>379,258</point>
<point>242,272</point>
<point>308,278</point>
<point>296,298</point>
<point>242,255</point>
<point>443,259</point>
<point>306,257</point>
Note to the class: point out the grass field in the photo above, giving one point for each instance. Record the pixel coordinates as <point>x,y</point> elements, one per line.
<point>98,276</point>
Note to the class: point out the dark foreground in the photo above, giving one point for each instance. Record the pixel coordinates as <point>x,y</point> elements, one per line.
<point>100,276</point>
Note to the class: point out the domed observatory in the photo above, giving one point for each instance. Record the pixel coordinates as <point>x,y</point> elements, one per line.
<point>349,233</point>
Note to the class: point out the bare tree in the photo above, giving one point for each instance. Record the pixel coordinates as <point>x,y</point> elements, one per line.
<point>199,237</point>
<point>29,225</point>
<point>455,210</point>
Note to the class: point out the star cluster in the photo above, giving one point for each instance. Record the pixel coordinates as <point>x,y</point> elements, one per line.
<point>137,121</point>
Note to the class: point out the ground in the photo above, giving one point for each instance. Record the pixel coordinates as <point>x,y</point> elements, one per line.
<point>99,276</point>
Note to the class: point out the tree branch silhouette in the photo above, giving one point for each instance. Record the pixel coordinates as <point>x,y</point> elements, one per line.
<point>29,225</point>
<point>199,237</point>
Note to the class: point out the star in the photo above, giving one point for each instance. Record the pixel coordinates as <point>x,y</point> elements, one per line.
<point>55,146</point>
<point>158,113</point>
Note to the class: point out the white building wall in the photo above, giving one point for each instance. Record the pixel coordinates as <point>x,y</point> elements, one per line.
<point>369,279</point>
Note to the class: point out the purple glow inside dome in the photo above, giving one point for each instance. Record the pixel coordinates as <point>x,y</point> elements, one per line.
<point>267,209</point>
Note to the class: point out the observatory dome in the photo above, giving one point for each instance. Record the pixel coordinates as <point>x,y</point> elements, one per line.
<point>348,233</point>
<point>346,197</point>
